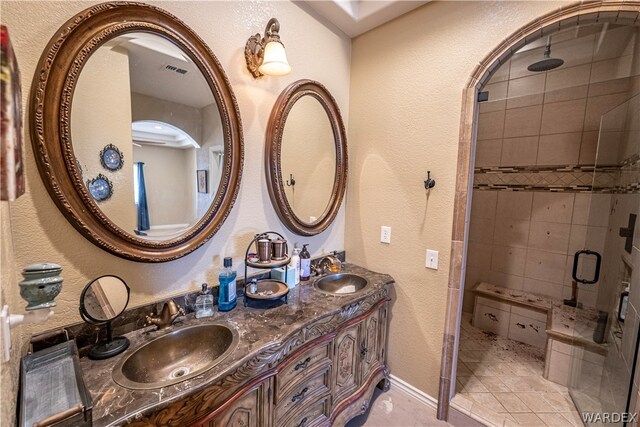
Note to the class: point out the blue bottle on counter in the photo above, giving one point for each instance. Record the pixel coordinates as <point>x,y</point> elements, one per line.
<point>227,299</point>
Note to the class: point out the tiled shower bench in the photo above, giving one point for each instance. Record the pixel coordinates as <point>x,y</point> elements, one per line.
<point>542,322</point>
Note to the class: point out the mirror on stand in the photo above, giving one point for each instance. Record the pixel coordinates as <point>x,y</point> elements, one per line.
<point>101,302</point>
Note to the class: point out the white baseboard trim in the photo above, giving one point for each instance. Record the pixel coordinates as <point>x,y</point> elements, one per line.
<point>410,390</point>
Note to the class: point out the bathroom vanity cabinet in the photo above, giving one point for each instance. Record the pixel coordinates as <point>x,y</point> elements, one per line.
<point>312,362</point>
<point>329,378</point>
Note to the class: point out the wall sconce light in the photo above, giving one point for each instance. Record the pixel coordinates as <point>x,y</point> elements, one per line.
<point>266,55</point>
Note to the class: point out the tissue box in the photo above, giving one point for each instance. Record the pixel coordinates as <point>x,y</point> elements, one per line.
<point>279,274</point>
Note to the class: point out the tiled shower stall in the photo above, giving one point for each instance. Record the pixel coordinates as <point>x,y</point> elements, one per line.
<point>557,170</point>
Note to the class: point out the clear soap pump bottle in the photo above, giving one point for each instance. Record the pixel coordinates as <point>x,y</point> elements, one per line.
<point>227,299</point>
<point>204,303</point>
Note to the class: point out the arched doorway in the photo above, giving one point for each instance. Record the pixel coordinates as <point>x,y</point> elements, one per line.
<point>614,13</point>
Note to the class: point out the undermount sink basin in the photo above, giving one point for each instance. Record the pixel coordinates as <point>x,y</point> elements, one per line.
<point>175,357</point>
<point>341,283</point>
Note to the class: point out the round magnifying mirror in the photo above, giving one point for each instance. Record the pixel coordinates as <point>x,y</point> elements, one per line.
<point>102,301</point>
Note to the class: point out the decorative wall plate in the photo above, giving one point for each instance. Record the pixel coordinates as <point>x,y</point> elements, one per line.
<point>100,188</point>
<point>111,158</point>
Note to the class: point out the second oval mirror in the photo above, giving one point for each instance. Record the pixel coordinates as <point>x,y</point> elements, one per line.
<point>306,156</point>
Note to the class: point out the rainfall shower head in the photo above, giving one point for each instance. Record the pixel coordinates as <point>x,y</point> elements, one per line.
<point>548,63</point>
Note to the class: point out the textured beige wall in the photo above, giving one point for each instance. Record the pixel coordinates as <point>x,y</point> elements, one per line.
<point>10,295</point>
<point>41,232</point>
<point>101,115</point>
<point>406,85</point>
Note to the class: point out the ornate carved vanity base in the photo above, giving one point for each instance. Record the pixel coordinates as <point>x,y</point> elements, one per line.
<point>323,375</point>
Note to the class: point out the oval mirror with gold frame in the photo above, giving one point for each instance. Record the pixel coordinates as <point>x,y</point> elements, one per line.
<point>71,121</point>
<point>306,157</point>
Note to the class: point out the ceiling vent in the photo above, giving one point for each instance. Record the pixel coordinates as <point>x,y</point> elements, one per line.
<point>175,69</point>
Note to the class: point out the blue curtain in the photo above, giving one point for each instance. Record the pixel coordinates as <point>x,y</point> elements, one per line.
<point>141,200</point>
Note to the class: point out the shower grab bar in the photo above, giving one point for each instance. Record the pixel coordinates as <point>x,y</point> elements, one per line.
<point>596,275</point>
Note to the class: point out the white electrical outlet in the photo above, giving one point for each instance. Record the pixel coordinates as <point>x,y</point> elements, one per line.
<point>432,259</point>
<point>385,234</point>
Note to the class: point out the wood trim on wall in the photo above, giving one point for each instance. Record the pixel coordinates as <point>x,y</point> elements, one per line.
<point>617,11</point>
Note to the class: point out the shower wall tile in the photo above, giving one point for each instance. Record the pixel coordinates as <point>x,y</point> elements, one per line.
<point>513,204</point>
<point>578,238</point>
<point>552,207</point>
<point>541,287</point>
<point>581,205</point>
<point>520,62</point>
<point>479,255</point>
<point>494,104</point>
<point>610,145</point>
<point>611,69</point>
<point>530,85</point>
<point>574,52</point>
<point>608,87</point>
<point>490,125</point>
<point>522,121</point>
<point>481,230</point>
<point>599,211</point>
<point>545,266</point>
<point>508,260</point>
<point>525,101</point>
<point>559,149</point>
<point>616,43</point>
<point>563,117</point>
<point>598,105</point>
<point>488,152</point>
<point>497,91</point>
<point>519,151</point>
<point>567,94</point>
<point>511,232</point>
<point>588,148</point>
<point>563,78</point>
<point>484,204</point>
<point>548,236</point>
<point>506,280</point>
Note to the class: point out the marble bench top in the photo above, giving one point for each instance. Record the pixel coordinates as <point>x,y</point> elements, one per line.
<point>570,323</point>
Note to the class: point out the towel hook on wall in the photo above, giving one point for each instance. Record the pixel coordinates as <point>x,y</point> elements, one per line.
<point>429,183</point>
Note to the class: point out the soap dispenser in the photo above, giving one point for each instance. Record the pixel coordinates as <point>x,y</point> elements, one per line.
<point>305,263</point>
<point>204,303</point>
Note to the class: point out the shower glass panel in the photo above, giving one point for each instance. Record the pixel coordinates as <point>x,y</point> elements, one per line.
<point>605,320</point>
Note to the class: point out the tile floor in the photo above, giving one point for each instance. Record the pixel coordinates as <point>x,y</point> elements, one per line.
<point>500,381</point>
<point>397,409</point>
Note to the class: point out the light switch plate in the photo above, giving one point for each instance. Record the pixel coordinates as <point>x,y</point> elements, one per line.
<point>432,259</point>
<point>385,234</point>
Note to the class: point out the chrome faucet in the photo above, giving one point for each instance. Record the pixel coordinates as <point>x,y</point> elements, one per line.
<point>170,311</point>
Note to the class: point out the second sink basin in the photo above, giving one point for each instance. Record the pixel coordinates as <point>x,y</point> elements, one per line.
<point>341,283</point>
<point>175,357</point>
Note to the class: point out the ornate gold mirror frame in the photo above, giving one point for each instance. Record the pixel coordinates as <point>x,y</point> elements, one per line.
<point>273,147</point>
<point>50,109</point>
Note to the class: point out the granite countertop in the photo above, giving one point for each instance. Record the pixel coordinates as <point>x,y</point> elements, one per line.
<point>258,329</point>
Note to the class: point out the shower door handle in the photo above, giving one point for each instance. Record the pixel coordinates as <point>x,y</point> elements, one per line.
<point>596,274</point>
